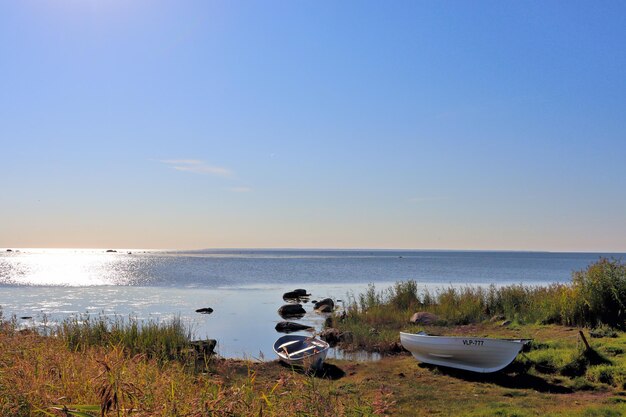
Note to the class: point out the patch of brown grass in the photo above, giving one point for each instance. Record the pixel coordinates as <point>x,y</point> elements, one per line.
<point>41,376</point>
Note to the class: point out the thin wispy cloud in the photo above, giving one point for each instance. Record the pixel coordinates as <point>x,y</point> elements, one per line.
<point>197,167</point>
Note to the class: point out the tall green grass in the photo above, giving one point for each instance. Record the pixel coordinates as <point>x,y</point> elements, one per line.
<point>596,296</point>
<point>601,293</point>
<point>159,340</point>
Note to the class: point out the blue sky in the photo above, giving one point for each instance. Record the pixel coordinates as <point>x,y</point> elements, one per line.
<point>427,125</point>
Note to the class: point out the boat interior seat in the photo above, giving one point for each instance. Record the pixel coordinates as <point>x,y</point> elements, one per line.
<point>284,345</point>
<point>302,350</point>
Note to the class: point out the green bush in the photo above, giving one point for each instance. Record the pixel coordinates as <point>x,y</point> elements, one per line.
<point>404,295</point>
<point>601,293</point>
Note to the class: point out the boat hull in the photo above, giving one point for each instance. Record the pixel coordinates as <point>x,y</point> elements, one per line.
<point>477,354</point>
<point>303,351</point>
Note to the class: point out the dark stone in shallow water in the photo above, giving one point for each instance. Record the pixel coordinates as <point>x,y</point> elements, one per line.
<point>291,310</point>
<point>325,306</point>
<point>205,310</point>
<point>296,296</point>
<point>289,326</point>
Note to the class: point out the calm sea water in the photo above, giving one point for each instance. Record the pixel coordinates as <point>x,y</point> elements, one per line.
<point>244,287</point>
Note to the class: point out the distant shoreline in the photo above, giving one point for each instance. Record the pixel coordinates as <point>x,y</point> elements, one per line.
<point>307,249</point>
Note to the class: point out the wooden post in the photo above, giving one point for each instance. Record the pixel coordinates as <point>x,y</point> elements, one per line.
<point>582,336</point>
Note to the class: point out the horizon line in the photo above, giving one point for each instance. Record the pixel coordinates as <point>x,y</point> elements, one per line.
<point>331,249</point>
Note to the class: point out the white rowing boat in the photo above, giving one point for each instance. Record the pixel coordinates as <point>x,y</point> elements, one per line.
<point>477,354</point>
<point>299,350</point>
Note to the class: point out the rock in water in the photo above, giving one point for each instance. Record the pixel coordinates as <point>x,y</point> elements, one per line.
<point>330,305</point>
<point>296,296</point>
<point>324,308</point>
<point>205,310</point>
<point>289,326</point>
<point>291,310</point>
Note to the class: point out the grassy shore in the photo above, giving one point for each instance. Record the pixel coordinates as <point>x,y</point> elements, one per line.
<point>595,299</point>
<point>42,375</point>
<point>99,368</point>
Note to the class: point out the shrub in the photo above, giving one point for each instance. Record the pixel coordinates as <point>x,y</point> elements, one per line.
<point>601,292</point>
<point>404,295</point>
<point>603,331</point>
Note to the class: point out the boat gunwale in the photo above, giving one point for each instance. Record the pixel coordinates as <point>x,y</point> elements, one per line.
<point>312,340</point>
<point>523,341</point>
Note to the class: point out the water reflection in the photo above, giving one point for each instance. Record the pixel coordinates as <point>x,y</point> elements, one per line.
<point>243,320</point>
<point>209,269</point>
<point>65,268</point>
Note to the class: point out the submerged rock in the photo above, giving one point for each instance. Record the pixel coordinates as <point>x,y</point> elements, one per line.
<point>205,310</point>
<point>289,326</point>
<point>291,310</point>
<point>325,306</point>
<point>424,317</point>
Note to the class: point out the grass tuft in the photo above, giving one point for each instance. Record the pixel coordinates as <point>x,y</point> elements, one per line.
<point>159,340</point>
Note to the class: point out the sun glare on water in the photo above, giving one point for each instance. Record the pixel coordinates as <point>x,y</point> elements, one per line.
<point>64,267</point>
